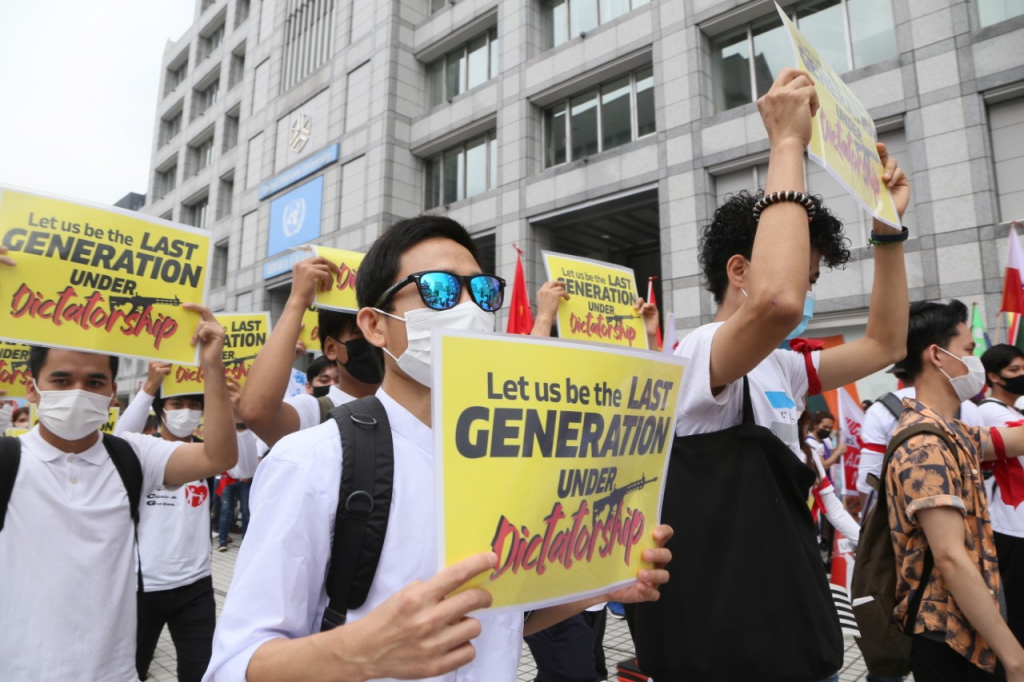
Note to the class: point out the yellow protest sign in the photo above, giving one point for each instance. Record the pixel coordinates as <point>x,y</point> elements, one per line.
<point>100,279</point>
<point>246,334</point>
<point>553,456</point>
<point>11,431</point>
<point>108,426</point>
<point>601,298</point>
<point>843,133</point>
<point>342,296</point>
<point>14,371</point>
<point>310,334</point>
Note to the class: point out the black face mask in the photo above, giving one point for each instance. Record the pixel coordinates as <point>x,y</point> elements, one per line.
<point>1014,385</point>
<point>362,364</point>
<point>823,434</point>
<point>321,391</point>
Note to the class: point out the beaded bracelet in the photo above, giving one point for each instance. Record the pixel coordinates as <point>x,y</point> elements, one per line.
<point>767,200</point>
<point>886,239</point>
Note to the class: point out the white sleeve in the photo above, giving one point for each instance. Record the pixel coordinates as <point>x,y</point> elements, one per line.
<point>695,397</point>
<point>838,516</point>
<point>878,425</point>
<point>6,409</point>
<point>154,454</point>
<point>307,408</point>
<point>278,583</point>
<point>133,419</point>
<point>970,414</point>
<point>247,456</point>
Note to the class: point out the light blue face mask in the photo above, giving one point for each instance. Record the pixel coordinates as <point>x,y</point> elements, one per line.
<point>808,314</point>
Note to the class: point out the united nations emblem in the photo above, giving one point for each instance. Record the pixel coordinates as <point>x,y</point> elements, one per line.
<point>294,216</point>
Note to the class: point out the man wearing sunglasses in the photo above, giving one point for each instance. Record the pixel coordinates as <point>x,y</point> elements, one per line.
<point>358,371</point>
<point>421,275</point>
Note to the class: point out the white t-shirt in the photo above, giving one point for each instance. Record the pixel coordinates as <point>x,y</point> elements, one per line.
<point>278,586</point>
<point>67,563</point>
<point>880,425</point>
<point>308,409</point>
<point>778,387</point>
<point>1006,519</point>
<point>174,536</point>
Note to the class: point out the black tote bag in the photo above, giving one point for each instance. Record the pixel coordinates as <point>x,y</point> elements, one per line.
<point>747,597</point>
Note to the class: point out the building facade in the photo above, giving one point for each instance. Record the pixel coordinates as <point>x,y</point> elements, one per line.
<point>603,128</point>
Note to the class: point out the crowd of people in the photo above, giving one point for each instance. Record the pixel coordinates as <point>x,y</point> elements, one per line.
<point>104,540</point>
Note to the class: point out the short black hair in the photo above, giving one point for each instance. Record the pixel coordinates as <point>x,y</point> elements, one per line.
<point>998,357</point>
<point>930,322</point>
<point>732,231</point>
<point>822,415</point>
<point>37,358</point>
<point>381,264</point>
<point>159,400</point>
<point>317,367</point>
<point>333,323</point>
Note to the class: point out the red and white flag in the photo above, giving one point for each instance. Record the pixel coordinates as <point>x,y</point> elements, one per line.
<point>668,347</point>
<point>1013,286</point>
<point>520,318</point>
<point>851,423</point>
<point>652,301</point>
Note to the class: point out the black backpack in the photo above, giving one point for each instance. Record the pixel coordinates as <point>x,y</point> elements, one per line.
<point>364,503</point>
<point>884,644</point>
<point>121,453</point>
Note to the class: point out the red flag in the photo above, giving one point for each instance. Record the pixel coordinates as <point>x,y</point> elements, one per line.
<point>652,301</point>
<point>520,318</point>
<point>1013,291</point>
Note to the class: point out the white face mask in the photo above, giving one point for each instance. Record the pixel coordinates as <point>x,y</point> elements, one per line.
<point>415,361</point>
<point>72,414</point>
<point>968,385</point>
<point>181,423</point>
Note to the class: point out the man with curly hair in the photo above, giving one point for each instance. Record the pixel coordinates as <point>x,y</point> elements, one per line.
<point>760,263</point>
<point>939,512</point>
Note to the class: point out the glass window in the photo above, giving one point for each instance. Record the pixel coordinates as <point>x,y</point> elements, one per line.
<point>477,62</point>
<point>582,16</point>
<point>555,23</point>
<point>611,9</point>
<point>435,83</point>
<point>436,5</point>
<point>994,11</point>
<point>730,64</point>
<point>493,35</point>
<point>456,71</point>
<point>823,22</point>
<point>554,134</point>
<point>454,167</point>
<point>433,182</point>
<point>616,123</point>
<point>492,179</point>
<point>476,166</point>
<point>583,110</point>
<point>772,51</point>
<point>872,31</point>
<point>644,102</point>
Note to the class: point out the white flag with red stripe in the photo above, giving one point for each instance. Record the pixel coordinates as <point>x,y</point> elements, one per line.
<point>851,423</point>
<point>668,347</point>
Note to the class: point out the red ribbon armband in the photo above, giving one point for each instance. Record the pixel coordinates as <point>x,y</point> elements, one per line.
<point>997,443</point>
<point>806,347</point>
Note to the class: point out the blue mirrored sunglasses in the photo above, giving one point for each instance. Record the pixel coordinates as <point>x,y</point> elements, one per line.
<point>442,290</point>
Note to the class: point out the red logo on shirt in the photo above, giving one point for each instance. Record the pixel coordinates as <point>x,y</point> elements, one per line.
<point>196,494</point>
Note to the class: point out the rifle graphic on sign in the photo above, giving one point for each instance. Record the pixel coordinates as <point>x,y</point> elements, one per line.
<point>619,319</point>
<point>614,498</point>
<point>139,303</point>
<point>237,361</point>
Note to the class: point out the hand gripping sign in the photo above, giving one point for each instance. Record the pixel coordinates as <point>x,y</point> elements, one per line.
<point>843,133</point>
<point>601,298</point>
<point>341,296</point>
<point>14,371</point>
<point>245,335</point>
<point>552,455</point>
<point>100,279</point>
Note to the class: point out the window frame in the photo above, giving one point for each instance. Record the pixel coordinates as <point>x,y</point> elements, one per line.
<point>544,14</point>
<point>491,38</point>
<point>634,123</point>
<point>490,138</point>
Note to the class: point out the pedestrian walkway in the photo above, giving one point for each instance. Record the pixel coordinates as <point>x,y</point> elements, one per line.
<point>617,643</point>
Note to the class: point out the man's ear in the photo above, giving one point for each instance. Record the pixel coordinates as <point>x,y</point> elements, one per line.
<point>992,378</point>
<point>331,349</point>
<point>934,355</point>
<point>32,393</point>
<point>372,325</point>
<point>737,268</point>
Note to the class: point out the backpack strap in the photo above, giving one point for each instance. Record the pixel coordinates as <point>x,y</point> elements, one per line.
<point>892,403</point>
<point>122,454</point>
<point>326,405</point>
<point>10,459</point>
<point>364,502</point>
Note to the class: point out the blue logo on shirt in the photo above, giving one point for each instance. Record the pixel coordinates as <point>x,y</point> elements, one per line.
<point>779,400</point>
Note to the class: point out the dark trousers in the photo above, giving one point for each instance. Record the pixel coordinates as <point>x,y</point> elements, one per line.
<point>571,651</point>
<point>934,661</point>
<point>238,490</point>
<point>1010,551</point>
<point>190,614</point>
<point>214,504</point>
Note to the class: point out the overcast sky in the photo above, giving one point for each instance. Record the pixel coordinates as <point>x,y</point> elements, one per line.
<point>78,92</point>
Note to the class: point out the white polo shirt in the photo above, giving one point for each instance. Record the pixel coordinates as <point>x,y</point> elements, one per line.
<point>278,588</point>
<point>308,408</point>
<point>67,563</point>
